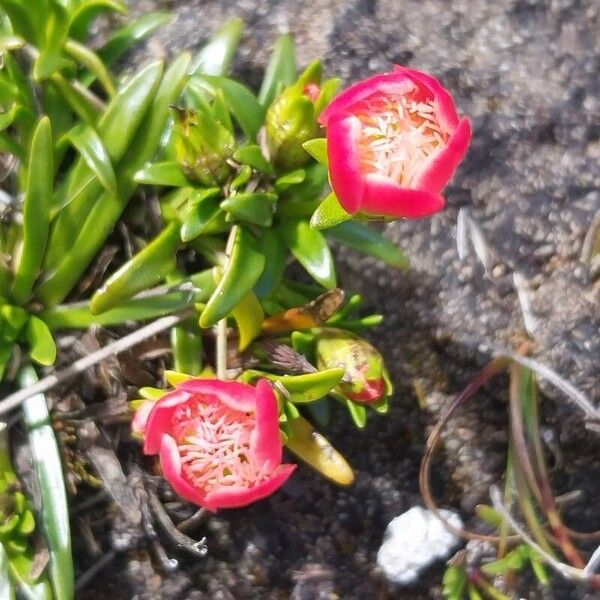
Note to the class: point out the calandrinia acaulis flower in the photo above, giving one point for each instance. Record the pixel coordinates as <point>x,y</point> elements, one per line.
<point>218,441</point>
<point>393,142</point>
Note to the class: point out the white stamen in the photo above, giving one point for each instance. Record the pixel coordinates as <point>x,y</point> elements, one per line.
<point>398,135</point>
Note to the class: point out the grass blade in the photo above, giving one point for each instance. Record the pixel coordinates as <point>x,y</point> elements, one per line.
<point>49,474</point>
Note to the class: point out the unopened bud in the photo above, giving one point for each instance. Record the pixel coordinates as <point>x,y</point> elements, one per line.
<point>366,379</point>
<point>202,146</point>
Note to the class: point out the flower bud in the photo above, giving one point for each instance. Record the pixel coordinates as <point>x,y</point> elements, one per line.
<point>366,379</point>
<point>202,146</point>
<point>292,118</point>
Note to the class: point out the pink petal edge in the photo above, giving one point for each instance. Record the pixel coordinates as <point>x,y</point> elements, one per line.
<point>266,439</point>
<point>236,395</point>
<point>384,83</point>
<point>447,109</point>
<point>440,166</point>
<point>347,180</point>
<point>159,419</point>
<point>140,418</point>
<point>384,196</point>
<point>236,497</point>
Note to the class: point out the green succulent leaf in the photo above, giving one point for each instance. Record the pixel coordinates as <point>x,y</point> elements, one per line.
<point>252,156</point>
<point>79,316</point>
<point>303,343</point>
<point>241,101</point>
<point>92,150</point>
<point>220,111</point>
<point>205,212</point>
<point>106,210</point>
<point>248,315</point>
<point>513,561</point>
<point>186,342</point>
<point>280,72</point>
<point>147,268</point>
<point>311,250</point>
<point>78,97</point>
<point>292,178</point>
<point>36,210</point>
<point>41,342</point>
<point>51,35</point>
<point>314,449</point>
<point>81,18</point>
<point>368,241</point>
<point>216,56</point>
<point>276,250</point>
<point>128,36</point>
<point>91,61</point>
<point>329,213</point>
<point>167,173</point>
<point>303,388</point>
<point>254,207</point>
<point>21,20</point>
<point>317,148</point>
<point>358,413</point>
<point>242,272</point>
<point>8,117</point>
<point>455,583</point>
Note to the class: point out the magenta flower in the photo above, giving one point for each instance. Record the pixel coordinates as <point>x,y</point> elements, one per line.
<point>218,441</point>
<point>394,141</point>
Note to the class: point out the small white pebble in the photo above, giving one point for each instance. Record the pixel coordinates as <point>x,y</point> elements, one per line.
<point>413,541</point>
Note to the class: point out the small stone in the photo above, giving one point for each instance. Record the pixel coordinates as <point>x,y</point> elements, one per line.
<point>415,540</point>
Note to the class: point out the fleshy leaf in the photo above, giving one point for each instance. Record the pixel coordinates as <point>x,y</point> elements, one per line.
<point>281,70</point>
<point>317,148</point>
<point>254,207</point>
<point>311,250</point>
<point>41,342</point>
<point>166,173</point>
<point>314,449</point>
<point>329,213</point>
<point>365,239</point>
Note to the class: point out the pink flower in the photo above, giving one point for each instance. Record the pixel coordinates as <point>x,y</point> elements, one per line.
<point>218,441</point>
<point>394,142</point>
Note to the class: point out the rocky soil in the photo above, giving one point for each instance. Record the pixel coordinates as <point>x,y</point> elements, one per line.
<point>527,74</point>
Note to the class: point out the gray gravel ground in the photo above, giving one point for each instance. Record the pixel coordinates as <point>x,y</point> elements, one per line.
<point>527,74</point>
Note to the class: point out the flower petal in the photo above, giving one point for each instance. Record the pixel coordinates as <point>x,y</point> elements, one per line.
<point>440,166</point>
<point>138,423</point>
<point>236,497</point>
<point>386,83</point>
<point>383,196</point>
<point>159,419</point>
<point>170,461</point>
<point>446,114</point>
<point>347,180</point>
<point>236,395</point>
<point>266,440</point>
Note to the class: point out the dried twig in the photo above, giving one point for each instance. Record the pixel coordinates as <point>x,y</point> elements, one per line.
<point>181,540</point>
<point>43,385</point>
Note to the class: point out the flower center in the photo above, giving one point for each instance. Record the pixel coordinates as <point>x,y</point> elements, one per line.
<point>214,444</point>
<point>398,133</point>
